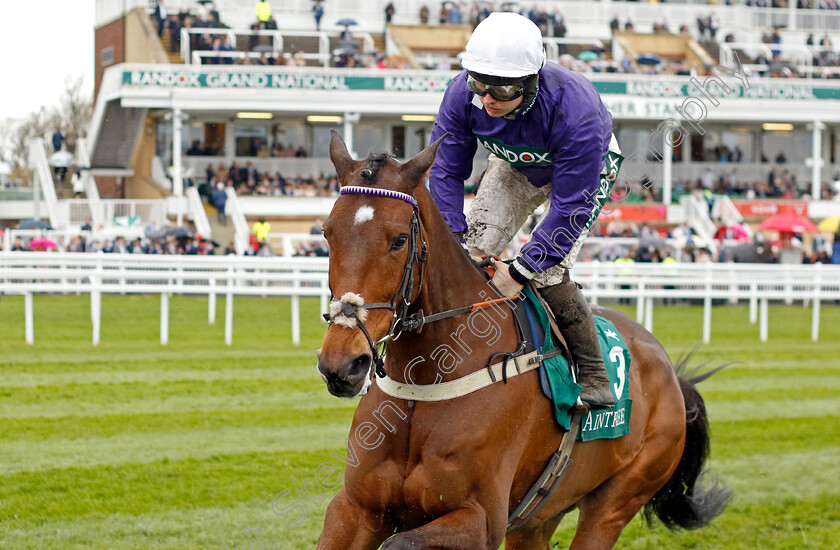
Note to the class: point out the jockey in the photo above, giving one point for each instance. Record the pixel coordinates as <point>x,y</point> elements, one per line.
<point>550,138</point>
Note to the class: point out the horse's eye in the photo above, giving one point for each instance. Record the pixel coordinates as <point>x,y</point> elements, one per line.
<point>399,242</point>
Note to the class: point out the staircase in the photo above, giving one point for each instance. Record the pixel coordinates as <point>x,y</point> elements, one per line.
<point>165,41</point>
<point>379,42</point>
<point>222,234</point>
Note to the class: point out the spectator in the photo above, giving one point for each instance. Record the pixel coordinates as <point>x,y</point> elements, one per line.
<point>174,34</point>
<point>318,13</point>
<point>456,17</point>
<point>263,14</point>
<point>389,14</point>
<point>424,14</point>
<point>261,231</point>
<point>317,227</point>
<point>220,201</point>
<point>57,139</point>
<point>714,26</point>
<point>559,28</point>
<point>781,158</point>
<point>160,16</point>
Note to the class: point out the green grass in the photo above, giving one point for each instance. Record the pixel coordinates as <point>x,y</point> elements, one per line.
<point>131,444</point>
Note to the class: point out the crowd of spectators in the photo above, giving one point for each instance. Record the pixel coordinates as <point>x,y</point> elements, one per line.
<point>247,180</point>
<point>90,242</point>
<point>257,147</point>
<point>261,51</point>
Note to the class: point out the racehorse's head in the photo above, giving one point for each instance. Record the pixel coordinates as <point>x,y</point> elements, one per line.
<point>377,251</point>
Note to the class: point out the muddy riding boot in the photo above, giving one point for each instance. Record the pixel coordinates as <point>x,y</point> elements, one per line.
<point>575,321</point>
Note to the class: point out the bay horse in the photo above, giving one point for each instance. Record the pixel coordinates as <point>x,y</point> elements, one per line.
<point>444,474</point>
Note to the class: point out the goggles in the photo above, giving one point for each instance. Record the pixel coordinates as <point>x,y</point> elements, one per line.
<point>499,93</point>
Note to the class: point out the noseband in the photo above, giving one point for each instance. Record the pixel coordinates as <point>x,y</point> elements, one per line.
<point>401,301</point>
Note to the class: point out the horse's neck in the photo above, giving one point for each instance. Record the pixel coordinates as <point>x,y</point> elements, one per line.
<point>450,281</point>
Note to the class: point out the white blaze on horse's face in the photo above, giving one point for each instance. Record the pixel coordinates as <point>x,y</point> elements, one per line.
<point>363,214</point>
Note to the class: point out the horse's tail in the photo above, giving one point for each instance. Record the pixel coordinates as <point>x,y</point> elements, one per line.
<point>682,503</point>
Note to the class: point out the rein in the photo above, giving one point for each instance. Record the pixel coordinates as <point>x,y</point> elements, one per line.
<point>401,301</point>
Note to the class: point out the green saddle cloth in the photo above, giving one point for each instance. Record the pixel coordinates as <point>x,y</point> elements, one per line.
<point>604,424</point>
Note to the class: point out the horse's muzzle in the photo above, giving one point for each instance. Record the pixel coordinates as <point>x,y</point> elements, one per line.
<point>347,379</point>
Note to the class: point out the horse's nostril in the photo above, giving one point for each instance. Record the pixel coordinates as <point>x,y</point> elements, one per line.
<point>360,365</point>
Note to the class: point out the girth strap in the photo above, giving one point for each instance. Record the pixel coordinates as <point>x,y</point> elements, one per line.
<point>548,481</point>
<point>464,385</point>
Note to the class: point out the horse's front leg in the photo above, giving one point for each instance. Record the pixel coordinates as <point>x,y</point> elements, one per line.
<point>350,527</point>
<point>464,529</point>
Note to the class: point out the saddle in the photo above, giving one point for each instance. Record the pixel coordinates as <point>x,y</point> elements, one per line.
<point>531,332</point>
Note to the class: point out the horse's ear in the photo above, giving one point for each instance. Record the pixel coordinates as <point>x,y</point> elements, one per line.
<point>414,171</point>
<point>340,156</point>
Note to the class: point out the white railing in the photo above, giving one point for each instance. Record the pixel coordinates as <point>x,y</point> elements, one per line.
<point>801,56</point>
<point>74,213</point>
<point>89,183</point>
<point>43,176</point>
<point>185,39</point>
<point>144,210</point>
<point>159,174</point>
<point>234,212</point>
<point>29,273</point>
<point>697,216</point>
<point>725,210</point>
<point>278,39</point>
<point>195,207</point>
<point>288,241</point>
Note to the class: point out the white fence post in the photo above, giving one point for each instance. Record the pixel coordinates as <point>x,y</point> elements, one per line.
<point>594,285</point>
<point>29,320</point>
<point>164,318</point>
<point>649,314</point>
<point>211,302</point>
<point>815,314</point>
<point>762,324</point>
<point>96,301</point>
<point>707,306</point>
<point>640,302</point>
<point>753,302</point>
<point>229,309</point>
<point>296,309</point>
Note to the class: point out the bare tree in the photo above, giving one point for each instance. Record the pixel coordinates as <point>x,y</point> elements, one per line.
<point>72,114</point>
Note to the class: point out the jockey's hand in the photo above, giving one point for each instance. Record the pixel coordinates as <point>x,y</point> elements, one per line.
<point>475,258</point>
<point>504,282</point>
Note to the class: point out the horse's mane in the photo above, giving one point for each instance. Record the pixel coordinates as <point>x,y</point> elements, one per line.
<point>373,163</point>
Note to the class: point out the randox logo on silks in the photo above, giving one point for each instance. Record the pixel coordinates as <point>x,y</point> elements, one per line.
<point>516,156</point>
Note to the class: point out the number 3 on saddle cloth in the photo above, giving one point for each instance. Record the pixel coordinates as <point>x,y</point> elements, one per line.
<point>556,379</point>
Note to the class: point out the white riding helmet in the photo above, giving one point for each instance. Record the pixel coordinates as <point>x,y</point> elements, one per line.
<point>506,45</point>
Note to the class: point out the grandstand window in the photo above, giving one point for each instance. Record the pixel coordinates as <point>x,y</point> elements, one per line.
<point>398,141</point>
<point>289,133</point>
<point>796,145</point>
<point>367,138</point>
<point>249,138</point>
<point>107,56</point>
<point>163,142</point>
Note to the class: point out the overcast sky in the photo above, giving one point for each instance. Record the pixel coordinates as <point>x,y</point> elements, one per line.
<point>41,44</point>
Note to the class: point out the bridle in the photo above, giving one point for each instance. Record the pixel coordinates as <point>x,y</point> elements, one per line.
<point>401,301</point>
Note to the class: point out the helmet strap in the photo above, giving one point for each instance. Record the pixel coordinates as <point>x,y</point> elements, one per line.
<point>529,98</point>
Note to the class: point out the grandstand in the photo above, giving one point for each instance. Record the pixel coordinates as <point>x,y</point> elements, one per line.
<point>741,107</point>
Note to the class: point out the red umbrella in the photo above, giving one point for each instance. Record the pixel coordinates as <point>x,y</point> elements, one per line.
<point>735,231</point>
<point>788,223</point>
<point>41,243</point>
